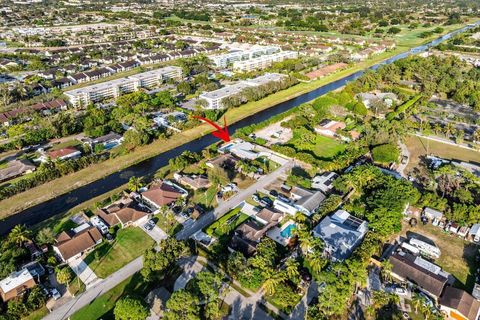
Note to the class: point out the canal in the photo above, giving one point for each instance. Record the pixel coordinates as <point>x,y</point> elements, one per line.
<point>65,202</point>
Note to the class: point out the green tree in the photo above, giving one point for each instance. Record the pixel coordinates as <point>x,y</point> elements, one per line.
<point>19,234</point>
<point>64,275</point>
<point>182,305</point>
<point>135,183</point>
<point>291,267</point>
<point>272,279</point>
<point>45,236</point>
<point>130,309</point>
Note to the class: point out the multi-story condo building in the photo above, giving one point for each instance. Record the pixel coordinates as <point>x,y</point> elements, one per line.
<point>114,88</point>
<point>223,60</point>
<point>264,61</point>
<point>214,98</point>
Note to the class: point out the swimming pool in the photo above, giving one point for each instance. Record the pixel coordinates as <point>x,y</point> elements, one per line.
<point>287,232</point>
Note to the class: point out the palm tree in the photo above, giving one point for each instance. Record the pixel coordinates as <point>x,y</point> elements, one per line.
<point>272,279</point>
<point>135,183</point>
<point>292,268</point>
<point>476,135</point>
<point>417,302</point>
<point>387,270</point>
<point>316,261</point>
<point>305,239</point>
<point>19,234</point>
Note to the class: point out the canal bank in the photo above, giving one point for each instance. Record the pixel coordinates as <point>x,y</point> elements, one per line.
<point>65,202</point>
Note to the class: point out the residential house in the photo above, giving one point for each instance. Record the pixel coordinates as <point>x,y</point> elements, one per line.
<point>16,284</point>
<point>324,182</point>
<point>16,168</point>
<point>428,276</point>
<point>329,127</point>
<point>123,213</point>
<point>432,214</point>
<point>64,153</point>
<point>71,244</point>
<point>222,161</point>
<point>108,141</point>
<point>306,201</point>
<point>342,233</point>
<point>459,305</point>
<point>163,194</point>
<point>193,181</point>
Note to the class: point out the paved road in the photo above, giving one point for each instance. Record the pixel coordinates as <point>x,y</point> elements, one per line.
<point>101,287</point>
<point>234,201</point>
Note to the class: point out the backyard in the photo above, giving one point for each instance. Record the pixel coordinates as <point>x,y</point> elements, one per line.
<point>130,243</point>
<point>420,147</point>
<point>458,257</point>
<point>226,223</point>
<point>322,147</point>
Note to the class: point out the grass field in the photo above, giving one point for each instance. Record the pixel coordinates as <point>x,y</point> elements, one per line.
<point>68,183</point>
<point>457,256</point>
<point>323,148</point>
<point>168,223</point>
<point>102,307</point>
<point>130,243</point>
<point>37,314</point>
<point>420,147</point>
<point>220,227</point>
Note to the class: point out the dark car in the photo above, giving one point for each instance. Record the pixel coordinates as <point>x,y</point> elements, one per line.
<point>274,193</point>
<point>109,237</point>
<point>283,198</point>
<point>149,225</point>
<point>266,201</point>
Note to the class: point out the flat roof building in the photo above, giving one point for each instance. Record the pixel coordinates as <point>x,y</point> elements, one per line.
<point>264,61</point>
<point>114,88</point>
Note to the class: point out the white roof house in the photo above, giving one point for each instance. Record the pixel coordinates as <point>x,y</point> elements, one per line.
<point>432,213</point>
<point>324,182</point>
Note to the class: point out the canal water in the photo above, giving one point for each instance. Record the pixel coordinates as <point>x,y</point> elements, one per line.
<point>64,202</point>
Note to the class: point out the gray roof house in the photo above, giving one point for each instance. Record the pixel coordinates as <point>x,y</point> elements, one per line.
<point>306,201</point>
<point>342,233</point>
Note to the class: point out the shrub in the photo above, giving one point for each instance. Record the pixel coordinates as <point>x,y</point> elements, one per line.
<point>386,153</point>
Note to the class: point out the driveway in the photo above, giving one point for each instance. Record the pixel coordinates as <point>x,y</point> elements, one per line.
<point>83,271</point>
<point>156,233</point>
<point>190,270</point>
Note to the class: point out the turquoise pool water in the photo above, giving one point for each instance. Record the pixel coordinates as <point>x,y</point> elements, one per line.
<point>287,232</point>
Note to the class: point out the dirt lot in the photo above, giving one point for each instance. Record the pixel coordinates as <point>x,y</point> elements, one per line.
<point>275,133</point>
<point>458,257</point>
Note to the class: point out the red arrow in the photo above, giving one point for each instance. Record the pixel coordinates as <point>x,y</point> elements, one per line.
<point>221,133</point>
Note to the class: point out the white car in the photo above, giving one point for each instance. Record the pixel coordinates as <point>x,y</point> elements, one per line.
<point>400,291</point>
<point>55,294</point>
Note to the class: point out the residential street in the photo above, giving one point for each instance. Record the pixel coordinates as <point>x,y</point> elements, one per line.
<point>95,291</point>
<point>108,283</point>
<point>234,201</point>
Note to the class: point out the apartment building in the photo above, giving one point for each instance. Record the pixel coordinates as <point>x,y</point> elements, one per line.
<point>214,98</point>
<point>223,60</point>
<point>264,61</point>
<point>114,88</point>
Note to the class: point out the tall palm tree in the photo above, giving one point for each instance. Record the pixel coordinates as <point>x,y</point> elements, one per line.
<point>19,234</point>
<point>417,302</point>
<point>306,240</point>
<point>135,183</point>
<point>292,268</point>
<point>387,270</point>
<point>272,279</point>
<point>316,261</point>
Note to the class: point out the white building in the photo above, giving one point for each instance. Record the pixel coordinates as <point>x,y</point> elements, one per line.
<point>264,61</point>
<point>223,60</point>
<point>214,98</point>
<point>324,182</point>
<point>114,88</point>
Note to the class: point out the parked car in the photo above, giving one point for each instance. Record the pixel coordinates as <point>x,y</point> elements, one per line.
<point>255,198</point>
<point>266,201</point>
<point>400,291</point>
<point>283,198</point>
<point>149,225</point>
<point>109,237</point>
<point>55,294</point>
<point>274,193</point>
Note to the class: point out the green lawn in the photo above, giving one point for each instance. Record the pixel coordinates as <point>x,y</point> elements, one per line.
<point>206,197</point>
<point>69,143</point>
<point>102,307</point>
<point>168,223</point>
<point>37,314</point>
<point>130,243</point>
<point>219,227</point>
<point>323,148</point>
